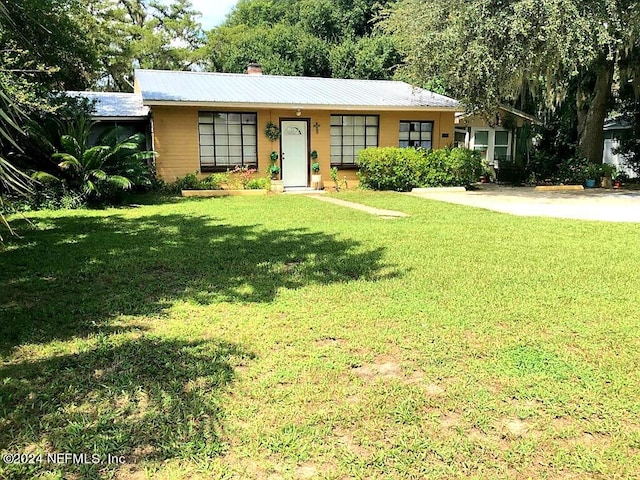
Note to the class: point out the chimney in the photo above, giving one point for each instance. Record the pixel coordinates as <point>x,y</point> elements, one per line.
<point>254,69</point>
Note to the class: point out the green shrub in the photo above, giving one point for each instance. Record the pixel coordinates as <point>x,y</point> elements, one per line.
<point>214,181</point>
<point>402,169</point>
<point>390,168</point>
<point>572,171</point>
<point>260,183</point>
<point>189,182</point>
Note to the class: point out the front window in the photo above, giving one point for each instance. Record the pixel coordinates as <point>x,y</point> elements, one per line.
<point>349,135</point>
<point>227,139</point>
<point>501,146</point>
<point>416,134</point>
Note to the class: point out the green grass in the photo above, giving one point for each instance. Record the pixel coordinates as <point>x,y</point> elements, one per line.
<point>282,337</point>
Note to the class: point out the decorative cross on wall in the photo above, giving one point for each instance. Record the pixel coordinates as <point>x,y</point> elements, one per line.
<point>317,127</point>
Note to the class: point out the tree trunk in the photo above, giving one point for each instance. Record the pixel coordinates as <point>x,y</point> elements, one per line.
<point>592,102</point>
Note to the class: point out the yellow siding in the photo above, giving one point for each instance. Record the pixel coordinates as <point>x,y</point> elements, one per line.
<point>176,136</point>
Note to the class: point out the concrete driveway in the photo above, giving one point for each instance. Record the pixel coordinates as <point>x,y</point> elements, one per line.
<point>592,204</point>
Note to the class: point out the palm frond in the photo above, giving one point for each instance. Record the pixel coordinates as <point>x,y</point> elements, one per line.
<point>67,161</point>
<point>119,181</point>
<point>44,177</point>
<point>13,179</point>
<point>71,145</point>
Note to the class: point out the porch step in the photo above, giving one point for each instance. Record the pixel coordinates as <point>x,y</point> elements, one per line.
<point>303,191</point>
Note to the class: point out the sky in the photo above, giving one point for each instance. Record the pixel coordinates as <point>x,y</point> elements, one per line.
<point>213,11</point>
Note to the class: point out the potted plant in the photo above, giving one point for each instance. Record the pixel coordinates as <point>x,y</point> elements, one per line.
<point>619,180</point>
<point>591,173</point>
<point>608,172</point>
<point>274,171</point>
<point>316,178</point>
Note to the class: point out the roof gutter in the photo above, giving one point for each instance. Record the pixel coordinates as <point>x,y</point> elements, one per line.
<point>282,106</point>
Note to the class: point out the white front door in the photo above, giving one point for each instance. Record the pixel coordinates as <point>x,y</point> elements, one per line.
<point>293,142</point>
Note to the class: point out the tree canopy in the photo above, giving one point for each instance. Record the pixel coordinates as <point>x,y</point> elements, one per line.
<point>556,51</point>
<point>308,37</point>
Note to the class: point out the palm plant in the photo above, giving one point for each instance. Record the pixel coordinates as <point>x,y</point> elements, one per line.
<point>92,172</point>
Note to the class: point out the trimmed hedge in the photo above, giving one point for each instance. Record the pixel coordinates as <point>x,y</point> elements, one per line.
<point>401,169</point>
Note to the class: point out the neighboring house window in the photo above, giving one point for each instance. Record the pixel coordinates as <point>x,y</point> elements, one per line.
<point>416,134</point>
<point>227,139</point>
<point>501,147</point>
<point>460,139</point>
<point>349,135</point>
<point>481,142</point>
<point>494,145</point>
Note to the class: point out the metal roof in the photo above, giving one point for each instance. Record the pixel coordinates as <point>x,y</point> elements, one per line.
<point>620,122</point>
<point>160,87</point>
<point>114,105</point>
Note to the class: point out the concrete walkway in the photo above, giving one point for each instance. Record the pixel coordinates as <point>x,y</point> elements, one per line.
<point>363,208</point>
<point>592,204</point>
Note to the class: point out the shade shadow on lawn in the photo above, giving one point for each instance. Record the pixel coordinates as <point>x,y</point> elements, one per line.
<point>145,398</point>
<point>77,273</point>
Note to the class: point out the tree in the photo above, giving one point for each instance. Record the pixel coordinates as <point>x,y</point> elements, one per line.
<point>489,51</point>
<point>48,41</point>
<point>304,37</point>
<point>281,50</point>
<point>371,58</point>
<point>144,34</point>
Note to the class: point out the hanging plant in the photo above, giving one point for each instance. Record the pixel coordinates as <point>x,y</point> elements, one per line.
<point>272,132</point>
<point>314,155</point>
<point>273,156</point>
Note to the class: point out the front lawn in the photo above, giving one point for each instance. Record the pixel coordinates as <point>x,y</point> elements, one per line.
<point>282,337</point>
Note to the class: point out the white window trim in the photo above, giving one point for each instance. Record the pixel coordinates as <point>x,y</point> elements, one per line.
<point>492,140</point>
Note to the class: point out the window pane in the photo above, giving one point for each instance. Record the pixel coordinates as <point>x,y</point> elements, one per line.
<point>234,118</point>
<point>426,126</point>
<point>481,138</point>
<point>335,151</point>
<point>404,143</point>
<point>414,135</point>
<point>205,118</point>
<point>373,121</point>
<point>249,118</point>
<point>347,140</point>
<point>206,139</point>
<point>206,151</point>
<point>235,151</point>
<point>358,121</point>
<point>404,135</point>
<point>206,129</point>
<point>222,140</point>
<point>249,139</point>
<point>359,131</point>
<point>235,140</point>
<point>502,138</point>
<point>500,153</point>
<point>222,151</point>
<point>221,128</point>
<point>347,131</point>
<point>404,126</point>
<point>250,151</point>
<point>336,132</point>
<point>207,161</point>
<point>426,145</point>
<point>372,141</point>
<point>347,121</point>
<point>336,120</point>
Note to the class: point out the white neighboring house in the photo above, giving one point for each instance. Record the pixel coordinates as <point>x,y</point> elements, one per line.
<point>114,109</point>
<point>493,138</point>
<point>613,130</point>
